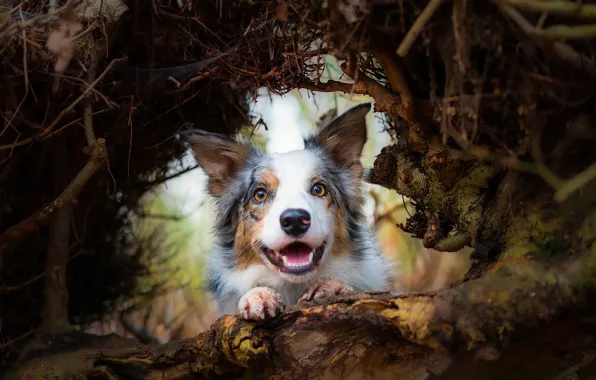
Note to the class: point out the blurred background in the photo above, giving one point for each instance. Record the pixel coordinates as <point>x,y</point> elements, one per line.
<point>181,213</point>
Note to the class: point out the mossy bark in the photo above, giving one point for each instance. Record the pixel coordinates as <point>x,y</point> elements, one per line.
<point>523,319</point>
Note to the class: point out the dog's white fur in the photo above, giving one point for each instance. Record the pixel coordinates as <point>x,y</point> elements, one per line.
<point>261,290</point>
<point>369,273</point>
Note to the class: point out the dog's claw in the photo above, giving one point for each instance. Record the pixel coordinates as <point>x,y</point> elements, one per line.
<point>325,287</point>
<point>260,303</point>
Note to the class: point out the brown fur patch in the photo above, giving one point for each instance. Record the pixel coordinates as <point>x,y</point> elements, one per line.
<point>341,243</point>
<point>357,169</point>
<point>269,178</point>
<point>250,223</point>
<point>220,158</point>
<point>215,187</point>
<point>243,247</point>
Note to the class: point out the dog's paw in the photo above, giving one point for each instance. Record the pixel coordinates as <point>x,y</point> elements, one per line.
<point>325,287</point>
<point>260,303</point>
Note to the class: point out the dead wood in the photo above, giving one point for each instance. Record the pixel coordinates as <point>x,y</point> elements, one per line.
<point>476,328</point>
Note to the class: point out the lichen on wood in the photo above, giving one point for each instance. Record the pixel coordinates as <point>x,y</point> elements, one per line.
<point>376,335</point>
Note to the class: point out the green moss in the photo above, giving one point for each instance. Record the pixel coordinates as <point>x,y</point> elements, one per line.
<point>519,251</point>
<point>528,231</point>
<point>551,246</point>
<point>587,232</point>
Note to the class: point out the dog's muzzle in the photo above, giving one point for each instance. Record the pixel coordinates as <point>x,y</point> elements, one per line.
<point>295,258</point>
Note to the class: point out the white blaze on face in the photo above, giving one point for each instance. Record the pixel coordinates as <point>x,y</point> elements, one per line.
<point>295,171</point>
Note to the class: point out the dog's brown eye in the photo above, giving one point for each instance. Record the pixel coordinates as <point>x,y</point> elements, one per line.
<point>318,190</point>
<point>260,195</point>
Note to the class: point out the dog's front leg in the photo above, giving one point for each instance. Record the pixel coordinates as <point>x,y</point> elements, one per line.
<point>325,287</point>
<point>260,303</point>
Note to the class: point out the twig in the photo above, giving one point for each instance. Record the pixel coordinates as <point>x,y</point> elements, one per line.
<point>65,111</point>
<point>12,288</point>
<point>43,19</point>
<point>561,49</point>
<point>159,181</point>
<point>202,76</point>
<point>88,109</point>
<point>563,8</point>
<point>418,26</point>
<point>390,209</point>
<point>69,195</point>
<point>4,345</point>
<point>395,76</point>
<point>566,32</point>
<point>385,100</point>
<point>471,151</point>
<point>575,183</point>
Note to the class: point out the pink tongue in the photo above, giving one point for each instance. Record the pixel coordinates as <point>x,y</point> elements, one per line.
<point>296,254</point>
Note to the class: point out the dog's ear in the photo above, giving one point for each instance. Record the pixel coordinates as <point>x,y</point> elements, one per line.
<point>345,136</point>
<point>219,156</point>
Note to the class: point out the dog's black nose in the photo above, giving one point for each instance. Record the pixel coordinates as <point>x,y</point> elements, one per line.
<point>295,221</point>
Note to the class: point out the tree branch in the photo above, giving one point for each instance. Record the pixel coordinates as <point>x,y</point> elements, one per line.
<point>385,101</point>
<point>55,308</point>
<point>69,195</point>
<point>418,26</point>
<point>563,8</point>
<point>373,335</point>
<point>47,131</point>
<point>564,51</point>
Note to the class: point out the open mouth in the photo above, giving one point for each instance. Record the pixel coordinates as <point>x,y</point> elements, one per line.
<point>295,258</point>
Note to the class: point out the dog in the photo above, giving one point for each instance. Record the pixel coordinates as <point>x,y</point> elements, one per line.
<point>290,226</point>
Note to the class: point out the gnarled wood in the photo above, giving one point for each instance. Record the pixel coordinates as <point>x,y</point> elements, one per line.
<point>484,328</point>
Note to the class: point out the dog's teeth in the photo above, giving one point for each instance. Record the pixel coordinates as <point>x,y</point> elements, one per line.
<point>312,253</point>
<point>285,260</point>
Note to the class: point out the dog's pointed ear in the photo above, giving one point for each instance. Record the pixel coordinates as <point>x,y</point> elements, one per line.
<point>219,156</point>
<point>345,136</point>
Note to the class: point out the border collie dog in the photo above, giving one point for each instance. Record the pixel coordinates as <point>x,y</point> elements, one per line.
<point>289,227</point>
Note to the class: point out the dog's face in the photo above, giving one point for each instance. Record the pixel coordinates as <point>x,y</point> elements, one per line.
<point>291,211</point>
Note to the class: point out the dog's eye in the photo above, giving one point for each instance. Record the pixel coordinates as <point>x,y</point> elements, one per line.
<point>260,195</point>
<point>318,190</point>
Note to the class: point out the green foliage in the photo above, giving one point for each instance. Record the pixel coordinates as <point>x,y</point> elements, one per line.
<point>176,240</point>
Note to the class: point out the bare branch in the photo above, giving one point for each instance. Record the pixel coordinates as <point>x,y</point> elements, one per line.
<point>563,8</point>
<point>385,101</point>
<point>418,26</point>
<point>69,195</point>
<point>575,183</point>
<point>561,49</point>
<point>98,52</point>
<point>408,334</point>
<point>47,131</point>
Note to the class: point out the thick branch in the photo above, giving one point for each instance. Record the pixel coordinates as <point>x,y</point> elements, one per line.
<point>373,335</point>
<point>55,308</point>
<point>69,195</point>
<point>385,101</point>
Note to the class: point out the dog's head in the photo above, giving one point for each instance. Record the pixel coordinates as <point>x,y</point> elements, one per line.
<point>291,211</point>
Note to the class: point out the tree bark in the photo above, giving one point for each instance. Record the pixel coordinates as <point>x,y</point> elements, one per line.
<point>524,320</point>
